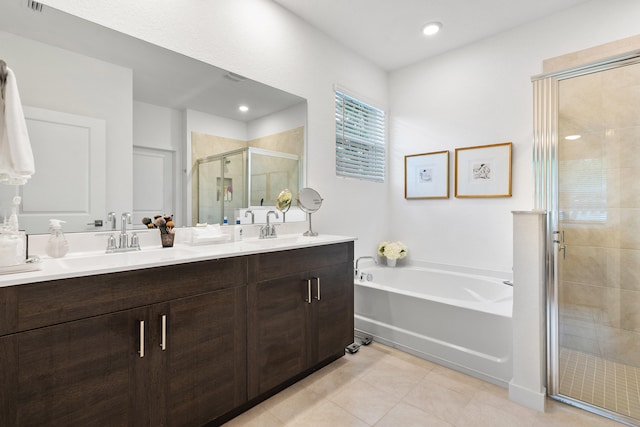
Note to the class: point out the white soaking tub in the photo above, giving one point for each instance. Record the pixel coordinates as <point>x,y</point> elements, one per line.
<point>459,320</point>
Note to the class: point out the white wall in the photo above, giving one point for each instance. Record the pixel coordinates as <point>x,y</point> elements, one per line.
<point>477,95</point>
<point>260,40</point>
<point>280,121</point>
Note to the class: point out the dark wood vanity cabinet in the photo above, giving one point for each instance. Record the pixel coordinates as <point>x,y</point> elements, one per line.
<point>180,362</point>
<point>182,345</point>
<point>300,312</point>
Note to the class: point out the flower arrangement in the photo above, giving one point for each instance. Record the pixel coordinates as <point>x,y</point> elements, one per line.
<point>392,250</point>
<point>163,222</point>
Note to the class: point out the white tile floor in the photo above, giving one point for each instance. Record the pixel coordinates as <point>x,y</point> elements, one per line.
<point>383,387</point>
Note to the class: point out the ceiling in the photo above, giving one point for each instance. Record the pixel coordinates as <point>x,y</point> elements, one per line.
<point>389,32</point>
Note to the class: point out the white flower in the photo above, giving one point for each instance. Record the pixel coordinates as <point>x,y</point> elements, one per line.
<point>392,250</point>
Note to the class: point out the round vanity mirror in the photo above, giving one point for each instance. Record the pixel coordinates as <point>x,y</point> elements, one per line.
<point>309,201</point>
<point>283,202</point>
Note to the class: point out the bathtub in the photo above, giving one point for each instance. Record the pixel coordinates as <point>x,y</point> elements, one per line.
<point>459,320</point>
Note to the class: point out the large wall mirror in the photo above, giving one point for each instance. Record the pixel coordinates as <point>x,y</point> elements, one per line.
<point>118,124</point>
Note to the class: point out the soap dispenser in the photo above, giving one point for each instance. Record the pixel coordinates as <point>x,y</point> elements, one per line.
<point>57,246</point>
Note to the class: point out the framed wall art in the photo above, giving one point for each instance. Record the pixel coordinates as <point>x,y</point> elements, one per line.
<point>483,171</point>
<point>426,176</point>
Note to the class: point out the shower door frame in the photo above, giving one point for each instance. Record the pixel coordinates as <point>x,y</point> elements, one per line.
<point>545,163</point>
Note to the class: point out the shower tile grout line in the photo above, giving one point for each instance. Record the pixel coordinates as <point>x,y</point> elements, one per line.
<point>607,384</point>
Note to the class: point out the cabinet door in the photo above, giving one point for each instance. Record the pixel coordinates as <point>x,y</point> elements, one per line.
<point>333,311</point>
<point>278,332</point>
<point>206,350</point>
<point>73,374</point>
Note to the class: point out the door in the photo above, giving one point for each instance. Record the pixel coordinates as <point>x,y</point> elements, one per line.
<point>70,179</point>
<point>206,349</point>
<point>597,241</point>
<point>278,330</point>
<point>333,311</point>
<point>74,374</point>
<point>153,183</point>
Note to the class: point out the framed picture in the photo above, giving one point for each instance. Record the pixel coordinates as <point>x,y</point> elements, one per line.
<point>483,171</point>
<point>426,176</point>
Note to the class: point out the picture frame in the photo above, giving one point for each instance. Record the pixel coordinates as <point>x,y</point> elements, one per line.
<point>483,171</point>
<point>426,175</point>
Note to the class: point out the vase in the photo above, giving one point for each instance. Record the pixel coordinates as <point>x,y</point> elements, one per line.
<point>167,239</point>
<point>391,262</point>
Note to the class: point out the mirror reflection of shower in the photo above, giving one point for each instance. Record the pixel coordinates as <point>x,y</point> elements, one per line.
<point>243,178</point>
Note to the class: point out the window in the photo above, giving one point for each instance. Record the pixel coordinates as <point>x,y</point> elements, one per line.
<point>360,135</point>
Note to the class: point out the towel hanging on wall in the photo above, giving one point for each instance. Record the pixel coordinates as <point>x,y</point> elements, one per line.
<point>3,78</point>
<point>16,156</point>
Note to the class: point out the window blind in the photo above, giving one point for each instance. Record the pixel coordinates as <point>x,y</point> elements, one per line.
<point>360,139</point>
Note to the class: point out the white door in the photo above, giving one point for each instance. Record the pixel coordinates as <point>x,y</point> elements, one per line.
<point>153,183</point>
<point>69,179</point>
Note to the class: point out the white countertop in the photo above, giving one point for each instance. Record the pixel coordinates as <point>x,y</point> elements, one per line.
<point>98,262</point>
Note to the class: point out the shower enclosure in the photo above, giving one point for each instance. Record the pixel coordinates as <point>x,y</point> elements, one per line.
<point>242,178</point>
<point>587,158</point>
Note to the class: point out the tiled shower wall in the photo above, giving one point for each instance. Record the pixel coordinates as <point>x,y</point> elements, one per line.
<point>599,197</point>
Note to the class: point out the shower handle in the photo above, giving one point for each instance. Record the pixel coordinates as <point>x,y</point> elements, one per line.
<point>561,246</point>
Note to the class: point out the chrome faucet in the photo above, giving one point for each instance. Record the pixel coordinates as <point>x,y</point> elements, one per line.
<point>122,244</point>
<point>253,217</point>
<point>124,237</point>
<point>269,231</point>
<point>111,217</point>
<point>356,270</point>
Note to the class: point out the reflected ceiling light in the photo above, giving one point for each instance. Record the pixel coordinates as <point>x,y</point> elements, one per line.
<point>572,137</point>
<point>243,108</point>
<point>431,28</point>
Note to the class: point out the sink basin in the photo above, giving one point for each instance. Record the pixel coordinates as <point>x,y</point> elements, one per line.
<point>100,260</point>
<point>275,242</point>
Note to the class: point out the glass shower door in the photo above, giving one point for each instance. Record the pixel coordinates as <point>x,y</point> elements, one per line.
<point>597,261</point>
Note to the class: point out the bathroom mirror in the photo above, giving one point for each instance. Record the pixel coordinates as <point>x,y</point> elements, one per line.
<point>309,202</point>
<point>151,104</point>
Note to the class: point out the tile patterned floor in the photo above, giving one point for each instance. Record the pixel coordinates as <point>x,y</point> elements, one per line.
<point>603,383</point>
<point>383,387</point>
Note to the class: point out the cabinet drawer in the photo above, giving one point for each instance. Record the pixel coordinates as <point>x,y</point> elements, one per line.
<point>279,264</point>
<point>41,304</point>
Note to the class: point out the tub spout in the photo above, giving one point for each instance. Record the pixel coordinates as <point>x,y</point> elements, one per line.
<point>356,270</point>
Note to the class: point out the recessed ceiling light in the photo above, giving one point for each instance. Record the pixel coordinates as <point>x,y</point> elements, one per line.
<point>431,28</point>
<point>243,108</point>
<point>572,137</point>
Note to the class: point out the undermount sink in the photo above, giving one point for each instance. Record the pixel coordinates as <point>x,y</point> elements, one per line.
<point>100,260</point>
<point>275,242</point>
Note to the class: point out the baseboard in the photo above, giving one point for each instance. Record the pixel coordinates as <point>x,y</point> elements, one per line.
<point>526,397</point>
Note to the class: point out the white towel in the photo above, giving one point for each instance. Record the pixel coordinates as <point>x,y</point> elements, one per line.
<point>16,157</point>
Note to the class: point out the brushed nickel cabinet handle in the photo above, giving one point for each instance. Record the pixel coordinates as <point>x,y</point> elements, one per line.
<point>309,297</point>
<point>318,288</point>
<point>141,350</point>
<point>163,326</point>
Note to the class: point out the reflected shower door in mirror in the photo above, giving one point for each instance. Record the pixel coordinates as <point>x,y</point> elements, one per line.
<point>98,73</point>
<point>221,187</point>
<point>247,178</point>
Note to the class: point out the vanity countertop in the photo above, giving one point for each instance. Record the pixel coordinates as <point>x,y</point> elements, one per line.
<point>98,262</point>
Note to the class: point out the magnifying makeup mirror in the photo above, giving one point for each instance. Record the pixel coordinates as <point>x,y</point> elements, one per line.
<point>283,202</point>
<point>309,201</point>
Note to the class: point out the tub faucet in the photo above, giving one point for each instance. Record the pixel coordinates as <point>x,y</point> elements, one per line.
<point>356,271</point>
